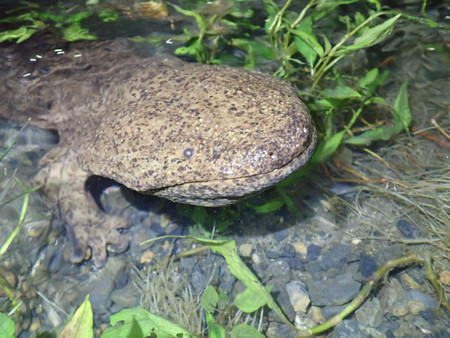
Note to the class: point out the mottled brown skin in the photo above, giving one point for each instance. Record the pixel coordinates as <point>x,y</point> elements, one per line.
<point>192,133</point>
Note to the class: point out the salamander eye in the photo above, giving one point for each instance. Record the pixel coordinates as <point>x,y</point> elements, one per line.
<point>188,152</point>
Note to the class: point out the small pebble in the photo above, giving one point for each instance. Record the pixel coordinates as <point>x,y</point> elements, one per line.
<point>367,265</point>
<point>407,229</point>
<point>147,257</point>
<point>286,305</point>
<point>35,325</point>
<point>295,264</point>
<point>300,248</point>
<point>285,251</point>
<point>409,282</point>
<point>370,313</point>
<point>444,277</point>
<point>428,315</point>
<point>427,300</point>
<point>246,250</point>
<point>335,290</point>
<point>313,252</point>
<point>256,258</point>
<point>298,296</point>
<point>281,235</point>
<point>336,257</point>
<point>317,314</point>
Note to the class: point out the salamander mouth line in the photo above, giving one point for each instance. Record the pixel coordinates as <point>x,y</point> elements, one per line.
<point>264,173</point>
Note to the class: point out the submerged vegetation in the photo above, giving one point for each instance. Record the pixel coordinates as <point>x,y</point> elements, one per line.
<point>295,43</point>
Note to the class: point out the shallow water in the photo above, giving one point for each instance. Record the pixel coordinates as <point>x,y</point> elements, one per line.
<point>363,217</point>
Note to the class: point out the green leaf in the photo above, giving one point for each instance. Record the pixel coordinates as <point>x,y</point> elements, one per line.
<point>327,148</point>
<point>223,300</point>
<point>376,34</point>
<point>376,100</point>
<point>403,119</point>
<point>248,301</point>
<point>368,79</point>
<point>192,49</point>
<point>199,216</point>
<point>268,207</point>
<point>81,324</point>
<point>77,17</point>
<point>326,43</point>
<point>237,267</point>
<point>378,134</point>
<point>340,92</point>
<point>13,34</point>
<point>372,35</point>
<point>209,299</point>
<point>320,105</point>
<point>28,33</point>
<point>108,15</point>
<point>7,326</point>
<point>311,42</point>
<point>138,322</point>
<point>402,113</point>
<point>244,331</point>
<point>306,42</point>
<point>75,32</point>
<point>215,330</point>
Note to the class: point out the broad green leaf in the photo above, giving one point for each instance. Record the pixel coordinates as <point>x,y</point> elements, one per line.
<point>81,324</point>
<point>402,113</point>
<point>310,40</point>
<point>209,299</point>
<point>13,34</point>
<point>376,34</point>
<point>192,49</point>
<point>368,79</point>
<point>327,148</point>
<point>326,43</point>
<point>50,16</point>
<point>359,18</point>
<point>268,207</point>
<point>341,93</point>
<point>138,322</point>
<point>378,134</point>
<point>28,33</point>
<point>376,100</point>
<point>108,15</point>
<point>372,35</point>
<point>214,329</point>
<point>237,267</point>
<point>306,50</point>
<point>229,23</point>
<point>306,42</point>
<point>7,326</point>
<point>248,301</point>
<point>242,14</point>
<point>245,331</point>
<point>200,214</point>
<point>320,105</point>
<point>77,17</point>
<point>223,300</point>
<point>75,32</point>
